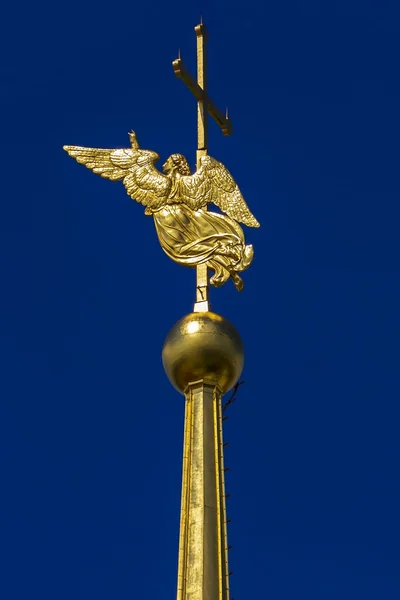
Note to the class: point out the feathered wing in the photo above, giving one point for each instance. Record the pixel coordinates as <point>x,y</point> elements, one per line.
<point>212,183</point>
<point>134,167</point>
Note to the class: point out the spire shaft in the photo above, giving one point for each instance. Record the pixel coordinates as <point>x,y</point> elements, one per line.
<point>203,554</point>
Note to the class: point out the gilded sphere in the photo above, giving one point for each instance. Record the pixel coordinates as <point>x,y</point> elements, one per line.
<point>203,345</point>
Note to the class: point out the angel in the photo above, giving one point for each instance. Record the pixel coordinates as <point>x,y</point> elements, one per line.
<point>177,200</point>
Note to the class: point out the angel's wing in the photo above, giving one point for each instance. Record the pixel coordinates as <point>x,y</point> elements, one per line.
<point>212,183</point>
<point>134,167</point>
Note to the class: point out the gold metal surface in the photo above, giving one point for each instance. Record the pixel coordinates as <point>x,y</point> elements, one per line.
<point>177,200</point>
<point>203,549</point>
<point>203,346</point>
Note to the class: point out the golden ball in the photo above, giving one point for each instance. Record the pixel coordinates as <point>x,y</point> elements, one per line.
<point>203,345</point>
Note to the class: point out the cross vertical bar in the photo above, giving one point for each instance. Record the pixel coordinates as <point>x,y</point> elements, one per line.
<point>205,107</point>
<point>202,287</point>
<point>202,125</point>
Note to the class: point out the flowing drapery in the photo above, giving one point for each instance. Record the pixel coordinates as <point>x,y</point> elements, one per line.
<point>194,237</point>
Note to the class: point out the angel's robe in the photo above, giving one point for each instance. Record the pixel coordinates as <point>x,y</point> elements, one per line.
<point>195,237</point>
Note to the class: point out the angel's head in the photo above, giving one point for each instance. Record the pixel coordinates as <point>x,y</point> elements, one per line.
<point>176,163</point>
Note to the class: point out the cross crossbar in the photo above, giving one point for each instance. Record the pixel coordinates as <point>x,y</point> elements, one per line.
<point>181,72</point>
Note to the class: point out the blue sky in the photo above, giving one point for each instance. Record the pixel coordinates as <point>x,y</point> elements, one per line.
<point>91,430</point>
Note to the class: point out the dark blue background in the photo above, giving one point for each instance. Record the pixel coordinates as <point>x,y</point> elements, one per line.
<point>91,430</point>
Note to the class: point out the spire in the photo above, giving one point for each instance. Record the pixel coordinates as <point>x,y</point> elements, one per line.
<point>203,549</point>
<point>203,358</point>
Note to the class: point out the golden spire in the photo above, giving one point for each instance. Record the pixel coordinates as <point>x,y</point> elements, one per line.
<point>203,354</point>
<point>203,358</point>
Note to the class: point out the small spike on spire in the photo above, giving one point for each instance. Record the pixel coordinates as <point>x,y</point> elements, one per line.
<point>226,113</point>
<point>179,53</point>
<point>201,19</point>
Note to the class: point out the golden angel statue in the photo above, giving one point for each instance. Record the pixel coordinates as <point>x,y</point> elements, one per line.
<point>176,199</point>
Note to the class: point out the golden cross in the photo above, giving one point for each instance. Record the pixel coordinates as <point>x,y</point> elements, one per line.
<point>205,107</point>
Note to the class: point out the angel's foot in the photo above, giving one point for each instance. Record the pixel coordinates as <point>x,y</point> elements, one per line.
<point>220,277</point>
<point>238,281</point>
